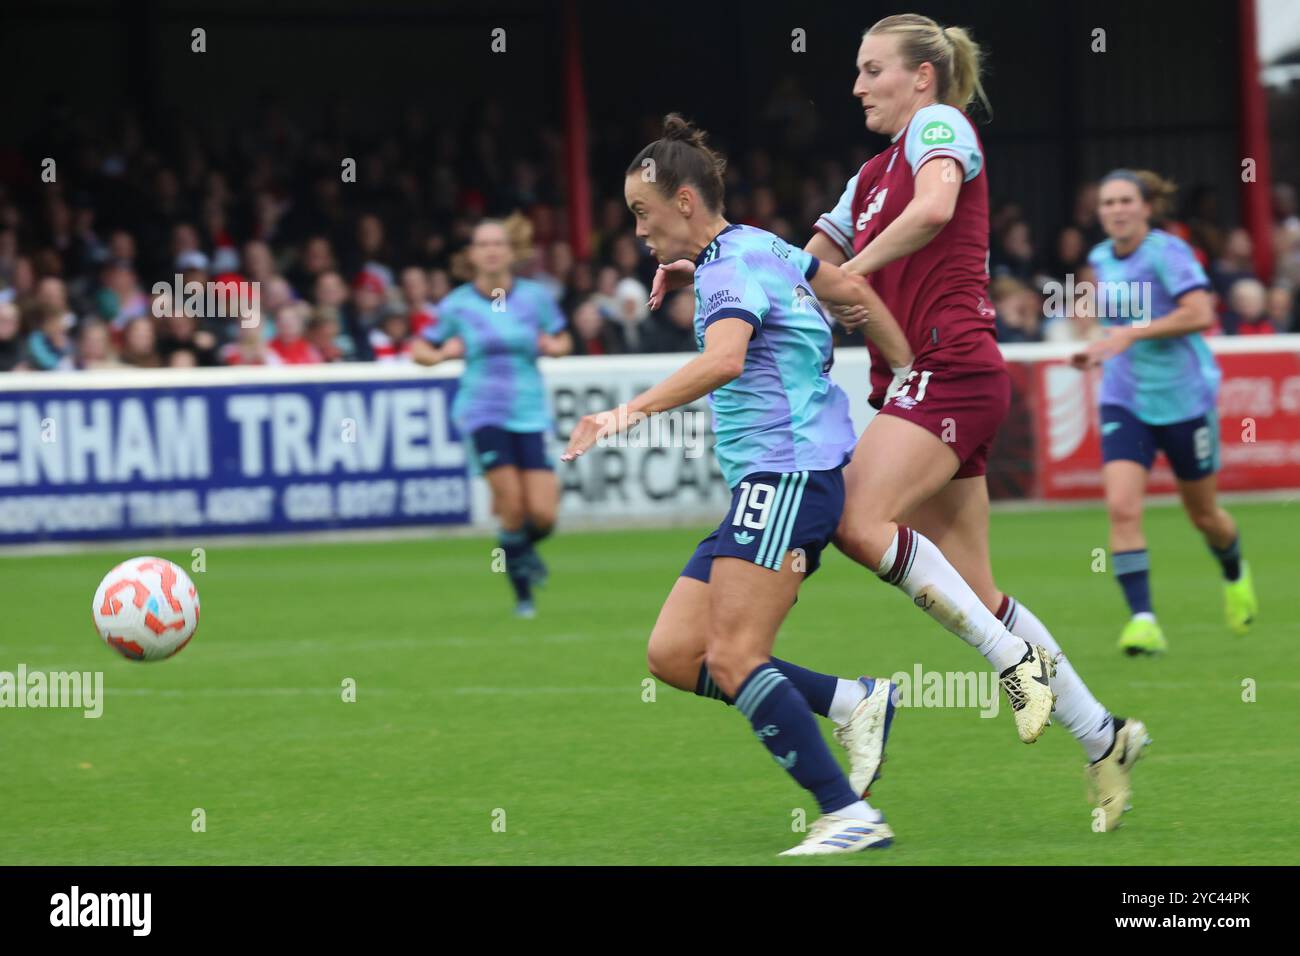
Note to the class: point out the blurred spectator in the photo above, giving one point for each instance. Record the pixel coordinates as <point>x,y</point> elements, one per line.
<point>1019,310</point>
<point>593,334</point>
<point>1073,321</point>
<point>420,313</point>
<point>13,351</point>
<point>364,311</point>
<point>52,296</point>
<point>140,345</point>
<point>120,298</point>
<point>1248,303</point>
<point>326,337</point>
<point>179,332</point>
<point>672,328</point>
<point>1071,254</point>
<point>249,348</point>
<point>288,343</point>
<point>1014,256</point>
<point>1282,309</point>
<point>48,347</point>
<point>95,347</point>
<point>390,341</point>
<point>439,285</point>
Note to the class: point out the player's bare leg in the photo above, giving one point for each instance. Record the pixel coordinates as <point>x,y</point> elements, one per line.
<point>896,466</point>
<point>861,709</point>
<point>1200,501</point>
<point>747,603</point>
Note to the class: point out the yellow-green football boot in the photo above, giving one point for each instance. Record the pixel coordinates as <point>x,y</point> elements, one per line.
<point>1142,635</point>
<point>1239,602</point>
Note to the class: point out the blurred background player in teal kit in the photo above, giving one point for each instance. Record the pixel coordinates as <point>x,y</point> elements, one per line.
<point>500,324</point>
<point>1159,389</point>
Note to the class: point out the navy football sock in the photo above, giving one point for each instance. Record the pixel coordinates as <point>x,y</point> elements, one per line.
<point>783,721</point>
<point>1132,569</point>
<point>817,689</point>
<point>517,548</point>
<point>1229,559</point>
<point>705,687</point>
<point>537,533</point>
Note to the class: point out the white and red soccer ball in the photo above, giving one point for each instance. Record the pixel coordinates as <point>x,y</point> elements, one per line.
<point>146,609</point>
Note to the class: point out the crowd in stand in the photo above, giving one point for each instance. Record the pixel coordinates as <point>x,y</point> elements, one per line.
<point>353,270</point>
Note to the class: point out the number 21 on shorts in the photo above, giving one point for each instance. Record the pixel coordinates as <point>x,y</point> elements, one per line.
<point>906,385</point>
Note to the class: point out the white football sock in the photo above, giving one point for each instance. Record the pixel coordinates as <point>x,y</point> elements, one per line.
<point>914,564</point>
<point>1076,708</point>
<point>848,694</point>
<point>861,810</point>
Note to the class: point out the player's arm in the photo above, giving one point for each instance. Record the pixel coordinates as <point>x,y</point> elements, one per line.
<point>824,249</point>
<point>937,186</point>
<point>831,284</point>
<point>1195,313</point>
<point>555,346</point>
<point>424,352</point>
<point>726,343</point>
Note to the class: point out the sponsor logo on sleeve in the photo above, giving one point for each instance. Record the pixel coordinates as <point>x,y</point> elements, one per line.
<point>937,133</point>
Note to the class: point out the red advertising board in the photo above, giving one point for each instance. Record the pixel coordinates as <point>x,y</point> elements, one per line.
<point>1259,426</point>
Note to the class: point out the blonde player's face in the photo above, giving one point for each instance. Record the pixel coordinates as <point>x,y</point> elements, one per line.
<point>1121,209</point>
<point>660,223</point>
<point>489,250</point>
<point>885,87</point>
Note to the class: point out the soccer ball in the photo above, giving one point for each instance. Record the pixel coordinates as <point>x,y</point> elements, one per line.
<point>146,609</point>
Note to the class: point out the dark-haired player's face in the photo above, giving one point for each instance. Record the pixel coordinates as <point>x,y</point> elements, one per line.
<point>489,250</point>
<point>885,87</point>
<point>660,223</point>
<point>1121,209</point>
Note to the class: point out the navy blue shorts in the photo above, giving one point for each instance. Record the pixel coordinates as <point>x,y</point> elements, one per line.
<point>772,514</point>
<point>1192,447</point>
<point>493,447</point>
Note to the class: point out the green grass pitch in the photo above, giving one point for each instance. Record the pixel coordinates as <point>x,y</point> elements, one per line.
<point>466,719</point>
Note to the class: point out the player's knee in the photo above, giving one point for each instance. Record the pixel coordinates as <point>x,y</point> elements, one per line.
<point>726,667</point>
<point>1205,521</point>
<point>864,539</point>
<point>1125,512</point>
<point>672,667</point>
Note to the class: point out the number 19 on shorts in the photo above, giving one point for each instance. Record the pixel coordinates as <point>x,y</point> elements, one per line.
<point>753,505</point>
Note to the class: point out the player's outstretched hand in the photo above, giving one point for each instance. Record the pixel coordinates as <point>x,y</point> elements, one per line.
<point>670,277</point>
<point>1118,338</point>
<point>590,429</point>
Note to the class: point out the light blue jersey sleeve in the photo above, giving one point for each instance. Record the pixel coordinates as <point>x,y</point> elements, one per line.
<point>726,289</point>
<point>549,317</point>
<point>1178,268</point>
<point>837,225</point>
<point>940,130</point>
